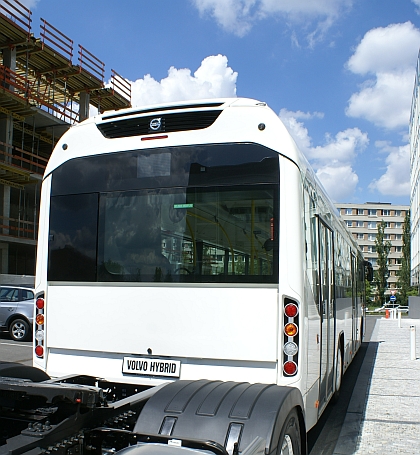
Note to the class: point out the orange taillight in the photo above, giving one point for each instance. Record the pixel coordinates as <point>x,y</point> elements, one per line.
<point>290,329</point>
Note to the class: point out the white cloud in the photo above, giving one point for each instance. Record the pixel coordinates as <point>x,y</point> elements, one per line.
<point>342,148</point>
<point>238,16</point>
<point>332,161</point>
<point>388,55</point>
<point>396,179</point>
<point>213,79</point>
<point>385,102</point>
<point>340,182</point>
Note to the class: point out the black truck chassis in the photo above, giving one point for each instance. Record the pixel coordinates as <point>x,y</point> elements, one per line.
<point>80,415</point>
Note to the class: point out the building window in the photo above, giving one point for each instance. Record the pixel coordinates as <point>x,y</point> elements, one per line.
<point>360,236</point>
<point>372,225</point>
<point>349,223</point>
<point>387,224</point>
<point>360,224</point>
<point>398,261</point>
<point>372,237</point>
<point>398,249</point>
<point>398,236</point>
<point>371,249</point>
<point>386,212</point>
<point>372,212</point>
<point>397,212</point>
<point>387,237</point>
<point>360,211</point>
<point>397,225</point>
<point>348,211</point>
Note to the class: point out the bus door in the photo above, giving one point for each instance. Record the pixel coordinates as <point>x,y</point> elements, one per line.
<point>354,297</point>
<point>327,312</point>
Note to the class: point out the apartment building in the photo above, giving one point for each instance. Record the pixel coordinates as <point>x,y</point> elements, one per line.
<point>415,180</point>
<point>362,221</point>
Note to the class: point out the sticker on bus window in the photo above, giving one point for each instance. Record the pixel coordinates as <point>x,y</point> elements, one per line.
<point>183,206</point>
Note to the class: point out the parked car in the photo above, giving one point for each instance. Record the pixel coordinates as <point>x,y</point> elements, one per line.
<point>16,311</point>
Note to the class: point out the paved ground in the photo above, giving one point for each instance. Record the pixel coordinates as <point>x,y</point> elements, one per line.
<point>384,411</point>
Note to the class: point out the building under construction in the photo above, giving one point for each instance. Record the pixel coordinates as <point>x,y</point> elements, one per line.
<point>46,85</point>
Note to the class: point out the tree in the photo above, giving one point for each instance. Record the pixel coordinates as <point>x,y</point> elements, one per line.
<point>404,274</point>
<point>368,291</point>
<point>382,273</point>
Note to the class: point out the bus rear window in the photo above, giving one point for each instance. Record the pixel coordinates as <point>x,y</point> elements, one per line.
<point>204,213</point>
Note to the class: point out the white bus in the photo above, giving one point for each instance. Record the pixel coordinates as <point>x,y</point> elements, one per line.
<point>193,241</point>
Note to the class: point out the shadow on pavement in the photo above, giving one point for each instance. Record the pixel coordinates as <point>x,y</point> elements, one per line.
<point>324,437</point>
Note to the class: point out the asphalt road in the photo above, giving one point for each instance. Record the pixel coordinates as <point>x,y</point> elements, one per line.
<point>322,438</point>
<point>15,351</point>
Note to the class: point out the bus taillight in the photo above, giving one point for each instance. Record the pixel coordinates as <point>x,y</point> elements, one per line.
<point>290,329</point>
<point>290,337</point>
<point>39,327</point>
<point>291,310</point>
<point>290,368</point>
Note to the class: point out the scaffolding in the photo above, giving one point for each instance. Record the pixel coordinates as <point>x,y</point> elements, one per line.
<point>42,93</point>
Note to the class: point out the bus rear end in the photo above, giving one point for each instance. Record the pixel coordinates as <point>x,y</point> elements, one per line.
<point>158,259</point>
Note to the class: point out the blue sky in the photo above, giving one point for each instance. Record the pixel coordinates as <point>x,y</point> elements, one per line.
<point>340,73</point>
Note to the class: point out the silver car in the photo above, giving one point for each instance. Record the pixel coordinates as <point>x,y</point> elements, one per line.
<point>16,311</point>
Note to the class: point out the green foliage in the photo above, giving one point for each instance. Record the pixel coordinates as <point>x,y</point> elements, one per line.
<point>382,273</point>
<point>404,275</point>
<point>368,290</point>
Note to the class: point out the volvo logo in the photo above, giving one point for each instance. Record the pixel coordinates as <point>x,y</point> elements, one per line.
<point>155,124</point>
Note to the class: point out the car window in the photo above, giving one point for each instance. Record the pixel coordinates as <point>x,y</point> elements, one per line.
<point>27,294</point>
<point>9,295</point>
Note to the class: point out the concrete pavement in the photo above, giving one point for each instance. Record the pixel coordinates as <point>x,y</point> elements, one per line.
<point>384,411</point>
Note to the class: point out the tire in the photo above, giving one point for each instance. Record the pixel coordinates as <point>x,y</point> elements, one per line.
<point>338,375</point>
<point>290,437</point>
<point>19,330</point>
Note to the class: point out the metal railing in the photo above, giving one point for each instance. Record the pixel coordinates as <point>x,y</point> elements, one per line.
<point>22,160</point>
<point>17,13</point>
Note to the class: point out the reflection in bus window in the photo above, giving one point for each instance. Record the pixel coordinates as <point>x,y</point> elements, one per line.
<point>206,234</point>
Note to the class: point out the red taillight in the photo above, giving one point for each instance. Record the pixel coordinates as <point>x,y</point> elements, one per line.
<point>151,138</point>
<point>39,351</point>
<point>40,304</point>
<point>291,310</point>
<point>289,368</point>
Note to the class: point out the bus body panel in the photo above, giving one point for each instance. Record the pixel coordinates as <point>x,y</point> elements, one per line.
<point>173,321</point>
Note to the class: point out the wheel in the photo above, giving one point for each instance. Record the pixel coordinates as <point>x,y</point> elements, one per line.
<point>338,374</point>
<point>290,438</point>
<point>19,330</point>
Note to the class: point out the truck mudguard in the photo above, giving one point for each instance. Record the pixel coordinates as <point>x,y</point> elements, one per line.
<point>18,370</point>
<point>230,413</point>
